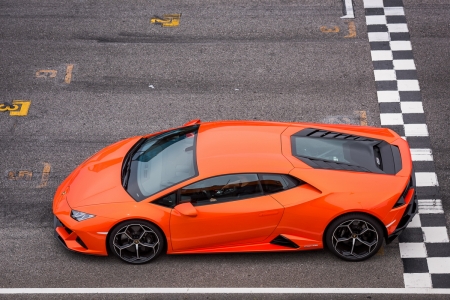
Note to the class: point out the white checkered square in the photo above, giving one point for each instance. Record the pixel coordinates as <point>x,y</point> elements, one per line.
<point>384,75</point>
<point>378,36</point>
<point>381,55</point>
<point>373,3</point>
<point>376,20</point>
<point>391,119</point>
<point>439,265</point>
<point>388,96</point>
<point>411,107</point>
<point>412,250</point>
<point>435,235</point>
<point>417,280</point>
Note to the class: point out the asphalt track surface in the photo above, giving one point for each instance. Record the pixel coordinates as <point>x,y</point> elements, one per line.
<point>260,60</point>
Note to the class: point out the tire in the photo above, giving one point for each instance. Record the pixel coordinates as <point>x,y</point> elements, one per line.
<point>136,242</point>
<point>354,237</point>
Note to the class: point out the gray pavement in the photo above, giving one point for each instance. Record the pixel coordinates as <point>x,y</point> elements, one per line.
<point>262,60</point>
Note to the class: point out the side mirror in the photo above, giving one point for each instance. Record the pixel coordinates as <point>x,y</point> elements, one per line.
<point>186,209</point>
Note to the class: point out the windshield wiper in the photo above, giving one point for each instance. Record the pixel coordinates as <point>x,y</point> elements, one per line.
<point>127,162</point>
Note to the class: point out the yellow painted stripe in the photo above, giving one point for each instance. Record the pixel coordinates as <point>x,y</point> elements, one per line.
<point>363,117</point>
<point>23,111</point>
<point>45,175</point>
<point>351,30</point>
<point>68,77</point>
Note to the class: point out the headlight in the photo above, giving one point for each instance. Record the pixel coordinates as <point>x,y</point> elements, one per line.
<point>80,216</point>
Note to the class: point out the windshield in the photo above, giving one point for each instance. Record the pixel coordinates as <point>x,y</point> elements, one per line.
<point>160,162</point>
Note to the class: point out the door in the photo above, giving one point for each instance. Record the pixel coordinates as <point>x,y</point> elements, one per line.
<point>231,209</point>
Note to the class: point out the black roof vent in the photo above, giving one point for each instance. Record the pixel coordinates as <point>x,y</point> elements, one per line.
<point>319,133</point>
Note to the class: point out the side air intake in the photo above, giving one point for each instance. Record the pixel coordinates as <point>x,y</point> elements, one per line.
<point>282,241</point>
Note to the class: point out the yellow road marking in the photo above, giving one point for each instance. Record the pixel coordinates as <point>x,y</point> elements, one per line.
<point>329,30</point>
<point>46,73</point>
<point>45,175</point>
<point>170,20</point>
<point>351,30</point>
<point>363,117</point>
<point>381,251</point>
<point>23,175</point>
<point>25,106</point>
<point>8,107</point>
<point>68,77</point>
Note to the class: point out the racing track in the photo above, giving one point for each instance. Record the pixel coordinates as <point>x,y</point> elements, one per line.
<point>94,72</point>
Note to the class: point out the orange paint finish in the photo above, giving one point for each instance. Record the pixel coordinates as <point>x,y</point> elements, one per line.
<point>300,214</point>
<point>236,222</point>
<point>239,147</point>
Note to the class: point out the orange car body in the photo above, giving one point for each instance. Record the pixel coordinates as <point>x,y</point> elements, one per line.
<point>300,214</point>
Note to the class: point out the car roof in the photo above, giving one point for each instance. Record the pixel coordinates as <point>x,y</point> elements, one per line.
<point>226,147</point>
<point>241,146</point>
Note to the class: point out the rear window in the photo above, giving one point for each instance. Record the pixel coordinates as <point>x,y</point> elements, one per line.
<point>337,153</point>
<point>163,161</point>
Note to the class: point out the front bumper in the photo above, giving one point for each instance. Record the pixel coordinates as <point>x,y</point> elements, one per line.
<point>79,241</point>
<point>67,237</point>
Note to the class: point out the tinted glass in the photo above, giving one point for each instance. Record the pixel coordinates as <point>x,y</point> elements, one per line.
<point>168,201</point>
<point>221,189</point>
<point>273,183</point>
<point>163,161</point>
<point>338,150</point>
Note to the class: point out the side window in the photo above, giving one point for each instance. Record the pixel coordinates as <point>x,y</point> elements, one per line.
<point>167,201</point>
<point>221,189</point>
<point>273,183</point>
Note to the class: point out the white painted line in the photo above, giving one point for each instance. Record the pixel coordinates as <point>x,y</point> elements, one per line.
<point>412,250</point>
<point>381,55</point>
<point>404,64</point>
<point>375,20</point>
<point>438,265</point>
<point>391,119</point>
<point>411,107</point>
<point>397,27</point>
<point>400,45</point>
<point>421,154</point>
<point>435,235</point>
<point>426,179</point>
<point>415,222</point>
<point>408,85</point>
<point>388,96</point>
<point>349,14</point>
<point>394,11</point>
<point>378,36</point>
<point>383,75</point>
<point>373,3</point>
<point>416,130</point>
<point>417,280</point>
<point>430,206</point>
<point>365,291</point>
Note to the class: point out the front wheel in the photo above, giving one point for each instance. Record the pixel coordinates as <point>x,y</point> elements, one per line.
<point>136,242</point>
<point>354,237</point>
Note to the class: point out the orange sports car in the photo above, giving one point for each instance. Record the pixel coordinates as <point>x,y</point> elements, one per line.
<point>240,186</point>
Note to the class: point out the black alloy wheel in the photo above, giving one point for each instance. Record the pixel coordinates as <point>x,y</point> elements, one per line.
<point>136,242</point>
<point>354,237</point>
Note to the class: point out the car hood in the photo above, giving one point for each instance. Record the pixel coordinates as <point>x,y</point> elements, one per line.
<point>98,179</point>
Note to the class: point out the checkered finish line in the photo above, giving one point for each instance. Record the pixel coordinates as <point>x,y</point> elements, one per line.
<point>424,245</point>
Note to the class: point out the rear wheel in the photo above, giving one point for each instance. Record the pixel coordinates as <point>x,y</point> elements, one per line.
<point>136,242</point>
<point>354,237</point>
